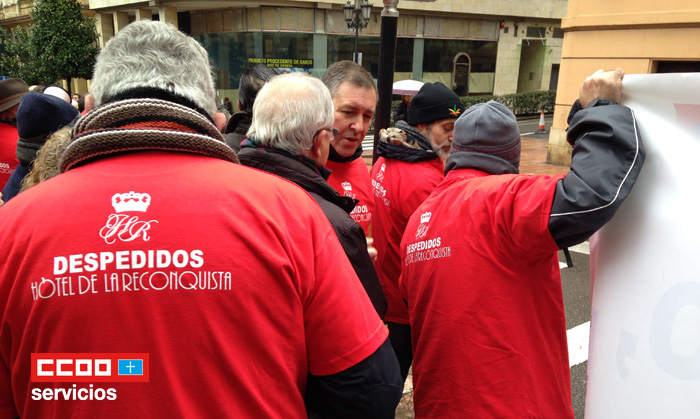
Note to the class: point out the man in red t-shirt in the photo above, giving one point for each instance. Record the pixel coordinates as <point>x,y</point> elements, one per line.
<point>480,266</point>
<point>354,97</point>
<point>408,169</point>
<point>233,298</point>
<point>11,92</point>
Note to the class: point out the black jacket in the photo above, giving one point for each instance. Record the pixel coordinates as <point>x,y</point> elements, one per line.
<point>337,208</point>
<point>236,129</point>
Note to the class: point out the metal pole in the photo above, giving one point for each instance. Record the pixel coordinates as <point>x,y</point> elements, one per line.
<point>385,78</point>
<point>356,22</point>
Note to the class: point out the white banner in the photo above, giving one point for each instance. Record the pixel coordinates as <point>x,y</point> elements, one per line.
<point>644,354</point>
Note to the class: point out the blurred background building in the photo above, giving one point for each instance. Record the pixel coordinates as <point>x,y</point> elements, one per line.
<point>476,47</point>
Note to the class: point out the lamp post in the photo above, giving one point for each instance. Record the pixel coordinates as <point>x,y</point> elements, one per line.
<point>387,60</point>
<point>357,17</point>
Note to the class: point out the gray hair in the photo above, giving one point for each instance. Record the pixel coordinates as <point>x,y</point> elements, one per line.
<point>289,110</point>
<point>347,71</point>
<point>154,54</point>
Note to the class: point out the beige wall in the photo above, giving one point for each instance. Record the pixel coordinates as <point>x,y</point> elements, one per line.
<point>551,9</point>
<point>625,33</point>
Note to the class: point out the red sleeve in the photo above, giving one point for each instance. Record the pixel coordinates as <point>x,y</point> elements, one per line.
<point>523,207</point>
<point>342,327</point>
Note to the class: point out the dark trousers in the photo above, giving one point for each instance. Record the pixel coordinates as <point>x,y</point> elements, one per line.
<point>400,338</point>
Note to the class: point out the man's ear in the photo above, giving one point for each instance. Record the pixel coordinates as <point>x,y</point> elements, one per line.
<point>316,146</point>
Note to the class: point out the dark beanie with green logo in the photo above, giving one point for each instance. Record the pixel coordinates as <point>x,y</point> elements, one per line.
<point>433,102</point>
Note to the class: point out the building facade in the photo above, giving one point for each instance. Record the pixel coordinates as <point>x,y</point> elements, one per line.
<point>475,47</point>
<point>640,36</point>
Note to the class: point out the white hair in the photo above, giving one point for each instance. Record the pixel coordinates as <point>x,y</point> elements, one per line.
<point>154,54</point>
<point>289,110</point>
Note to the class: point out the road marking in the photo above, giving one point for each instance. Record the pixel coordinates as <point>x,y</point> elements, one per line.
<point>584,248</point>
<point>577,338</point>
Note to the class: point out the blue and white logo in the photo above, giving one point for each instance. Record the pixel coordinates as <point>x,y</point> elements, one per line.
<point>130,367</point>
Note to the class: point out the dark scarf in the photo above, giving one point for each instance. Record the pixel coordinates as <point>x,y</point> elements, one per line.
<point>415,148</point>
<point>335,157</point>
<point>127,125</point>
<point>480,161</point>
<point>239,123</point>
<point>251,142</point>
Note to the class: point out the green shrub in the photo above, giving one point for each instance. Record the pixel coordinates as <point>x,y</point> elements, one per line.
<point>522,104</point>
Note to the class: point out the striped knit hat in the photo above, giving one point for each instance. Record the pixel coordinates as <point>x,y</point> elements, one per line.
<point>488,128</point>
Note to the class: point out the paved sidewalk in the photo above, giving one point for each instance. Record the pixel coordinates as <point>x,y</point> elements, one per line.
<point>533,158</point>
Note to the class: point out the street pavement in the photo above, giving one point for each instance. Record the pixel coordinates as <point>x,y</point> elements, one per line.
<point>575,280</point>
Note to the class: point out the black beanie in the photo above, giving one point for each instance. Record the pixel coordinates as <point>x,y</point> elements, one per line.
<point>38,116</point>
<point>433,102</point>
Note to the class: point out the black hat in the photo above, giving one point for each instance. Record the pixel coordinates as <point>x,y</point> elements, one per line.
<point>433,102</point>
<point>38,116</point>
<point>11,92</point>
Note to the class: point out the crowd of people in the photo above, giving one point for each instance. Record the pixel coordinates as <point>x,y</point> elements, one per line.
<point>293,281</point>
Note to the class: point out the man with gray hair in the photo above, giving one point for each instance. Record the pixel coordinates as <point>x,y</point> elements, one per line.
<point>291,137</point>
<point>137,302</point>
<point>354,97</point>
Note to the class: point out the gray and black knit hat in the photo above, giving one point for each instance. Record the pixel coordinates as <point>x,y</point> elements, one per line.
<point>433,102</point>
<point>488,128</point>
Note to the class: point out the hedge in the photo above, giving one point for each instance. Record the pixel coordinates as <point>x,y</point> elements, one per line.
<point>522,104</point>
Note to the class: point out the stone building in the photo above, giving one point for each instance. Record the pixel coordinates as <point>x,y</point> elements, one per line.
<point>476,47</point>
<point>640,36</point>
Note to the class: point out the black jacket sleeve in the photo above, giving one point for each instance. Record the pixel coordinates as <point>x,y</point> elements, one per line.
<point>606,160</point>
<point>370,389</point>
<point>354,243</point>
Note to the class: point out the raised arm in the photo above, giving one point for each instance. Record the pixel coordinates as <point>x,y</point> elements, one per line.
<point>606,160</point>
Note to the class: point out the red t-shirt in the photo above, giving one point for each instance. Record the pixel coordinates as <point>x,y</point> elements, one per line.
<point>231,280</point>
<point>481,277</point>
<point>352,179</point>
<point>399,187</point>
<point>8,152</point>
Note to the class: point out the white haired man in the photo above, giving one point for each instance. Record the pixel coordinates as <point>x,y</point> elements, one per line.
<point>480,266</point>
<point>296,148</point>
<point>226,305</point>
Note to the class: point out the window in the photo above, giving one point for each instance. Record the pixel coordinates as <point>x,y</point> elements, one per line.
<point>439,53</point>
<point>677,66</point>
<point>536,32</point>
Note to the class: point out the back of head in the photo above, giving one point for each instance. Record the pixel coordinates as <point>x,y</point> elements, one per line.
<point>149,54</point>
<point>289,110</point>
<point>347,71</point>
<point>11,92</point>
<point>433,102</point>
<point>38,116</point>
<point>252,80</point>
<point>488,128</point>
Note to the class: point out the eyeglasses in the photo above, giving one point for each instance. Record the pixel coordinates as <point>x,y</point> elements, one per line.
<point>333,130</point>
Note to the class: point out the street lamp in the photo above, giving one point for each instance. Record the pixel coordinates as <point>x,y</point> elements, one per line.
<point>354,21</point>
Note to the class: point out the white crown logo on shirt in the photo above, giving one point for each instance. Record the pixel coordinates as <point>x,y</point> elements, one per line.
<point>425,217</point>
<point>346,186</point>
<point>380,175</point>
<point>132,201</point>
